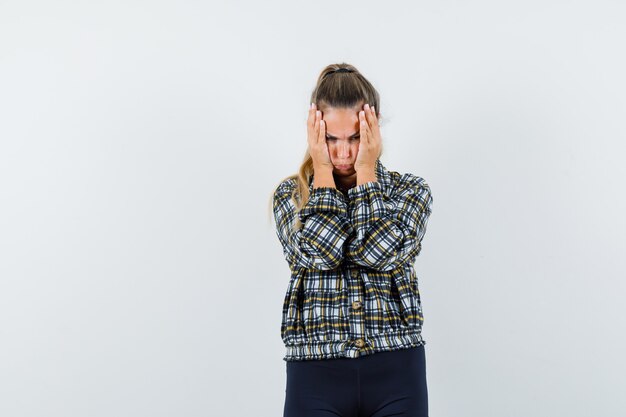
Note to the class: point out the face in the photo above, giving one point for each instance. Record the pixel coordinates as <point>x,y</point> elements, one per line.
<point>342,138</point>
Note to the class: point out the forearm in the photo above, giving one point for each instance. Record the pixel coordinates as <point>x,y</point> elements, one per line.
<point>323,177</point>
<point>319,243</point>
<point>388,227</point>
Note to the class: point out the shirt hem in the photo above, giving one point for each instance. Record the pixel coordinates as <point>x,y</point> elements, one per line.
<point>335,349</point>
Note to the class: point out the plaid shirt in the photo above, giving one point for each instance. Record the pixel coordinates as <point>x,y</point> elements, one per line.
<point>353,289</point>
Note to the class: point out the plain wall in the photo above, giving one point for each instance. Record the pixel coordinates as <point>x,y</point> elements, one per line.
<point>140,142</point>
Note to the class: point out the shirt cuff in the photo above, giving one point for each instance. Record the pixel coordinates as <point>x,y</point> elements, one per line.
<point>367,201</point>
<point>327,200</point>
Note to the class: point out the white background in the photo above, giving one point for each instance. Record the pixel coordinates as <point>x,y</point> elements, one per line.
<point>141,141</point>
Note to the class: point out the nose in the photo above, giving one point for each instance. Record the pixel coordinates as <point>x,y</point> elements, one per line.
<point>343,150</point>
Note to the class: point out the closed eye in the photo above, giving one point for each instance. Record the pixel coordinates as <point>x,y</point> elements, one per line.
<point>332,138</point>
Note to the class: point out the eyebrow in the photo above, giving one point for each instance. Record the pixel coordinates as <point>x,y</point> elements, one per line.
<point>335,137</point>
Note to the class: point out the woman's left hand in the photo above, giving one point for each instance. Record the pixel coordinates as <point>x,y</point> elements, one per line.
<point>370,144</point>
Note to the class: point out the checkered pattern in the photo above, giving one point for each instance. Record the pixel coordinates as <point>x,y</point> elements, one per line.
<point>353,289</point>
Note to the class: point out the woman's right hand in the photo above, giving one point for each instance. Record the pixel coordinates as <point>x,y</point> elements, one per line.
<point>318,149</point>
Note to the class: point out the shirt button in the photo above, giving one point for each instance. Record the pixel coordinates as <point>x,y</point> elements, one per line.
<point>354,273</point>
<point>360,343</point>
<point>356,305</point>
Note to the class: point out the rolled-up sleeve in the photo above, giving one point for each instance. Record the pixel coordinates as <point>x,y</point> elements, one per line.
<point>319,244</point>
<point>388,228</point>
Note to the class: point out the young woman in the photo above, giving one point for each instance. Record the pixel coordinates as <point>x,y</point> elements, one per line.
<point>351,231</point>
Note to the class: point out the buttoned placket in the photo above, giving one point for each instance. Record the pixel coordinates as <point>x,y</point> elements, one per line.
<point>357,315</point>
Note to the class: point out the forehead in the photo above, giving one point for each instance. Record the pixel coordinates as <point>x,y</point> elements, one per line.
<point>341,122</point>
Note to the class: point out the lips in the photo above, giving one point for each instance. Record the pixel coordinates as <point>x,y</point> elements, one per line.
<point>343,166</point>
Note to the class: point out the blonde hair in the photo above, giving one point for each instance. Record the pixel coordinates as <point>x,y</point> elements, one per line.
<point>333,89</point>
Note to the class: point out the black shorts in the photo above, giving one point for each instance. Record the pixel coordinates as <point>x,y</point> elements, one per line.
<point>390,383</point>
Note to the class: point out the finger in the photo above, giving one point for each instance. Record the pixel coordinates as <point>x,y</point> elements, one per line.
<point>363,130</point>
<point>311,118</point>
<point>374,126</point>
<point>374,117</point>
<point>315,123</point>
<point>312,129</point>
<point>322,135</point>
<point>372,123</point>
<point>318,118</point>
<point>369,115</point>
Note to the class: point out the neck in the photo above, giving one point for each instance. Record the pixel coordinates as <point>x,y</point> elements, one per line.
<point>345,183</point>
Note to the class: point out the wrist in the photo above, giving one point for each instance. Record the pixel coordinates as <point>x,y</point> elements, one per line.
<point>365,174</point>
<point>322,170</point>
